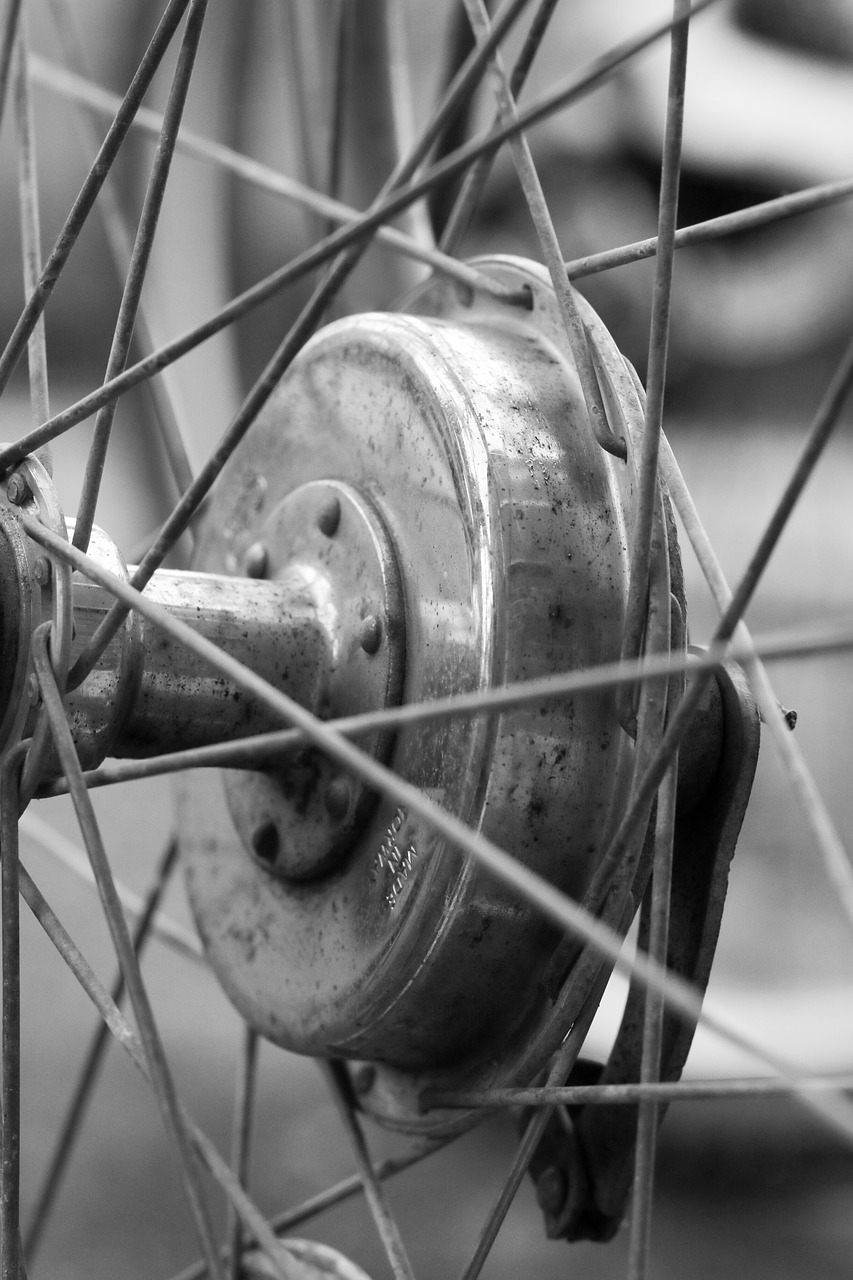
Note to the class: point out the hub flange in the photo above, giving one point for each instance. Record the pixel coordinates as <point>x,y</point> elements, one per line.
<point>300,818</point>
<point>464,429</point>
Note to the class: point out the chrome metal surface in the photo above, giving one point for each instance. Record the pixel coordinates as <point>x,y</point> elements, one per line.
<point>464,428</point>
<point>328,542</point>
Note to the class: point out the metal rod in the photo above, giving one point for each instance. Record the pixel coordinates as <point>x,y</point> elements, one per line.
<point>300,331</point>
<point>241,1141</point>
<point>140,258</point>
<point>8,35</point>
<point>629,1095</point>
<point>769,212</point>
<point>817,439</point>
<point>261,750</point>
<point>92,184</point>
<point>374,1193</point>
<point>836,861</point>
<point>647,466</point>
<point>132,1045</point>
<point>546,232</point>
<point>559,1070</point>
<point>648,1112</point>
<point>164,394</point>
<point>160,1074</point>
<point>475,179</point>
<point>262,176</point>
<point>87,1077</point>
<point>28,196</point>
<point>326,1199</point>
<point>680,995</point>
<point>366,225</point>
<point>10,1086</point>
<point>181,939</point>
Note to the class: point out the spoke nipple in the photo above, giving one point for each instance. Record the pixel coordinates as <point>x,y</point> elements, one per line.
<point>256,561</point>
<point>17,489</point>
<point>363,1079</point>
<point>337,798</point>
<point>329,517</point>
<point>551,1190</point>
<point>266,842</point>
<point>42,571</point>
<point>371,634</point>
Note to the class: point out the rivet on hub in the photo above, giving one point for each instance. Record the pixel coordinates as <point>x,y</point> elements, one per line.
<point>337,798</point>
<point>371,634</point>
<point>329,517</point>
<point>41,571</point>
<point>256,560</point>
<point>266,842</point>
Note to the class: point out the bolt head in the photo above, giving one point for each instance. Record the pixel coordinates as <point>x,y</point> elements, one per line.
<point>256,561</point>
<point>17,489</point>
<point>371,634</point>
<point>42,571</point>
<point>329,517</point>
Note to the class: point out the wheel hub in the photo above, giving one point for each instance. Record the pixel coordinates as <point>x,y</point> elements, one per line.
<point>421,511</point>
<point>461,426</point>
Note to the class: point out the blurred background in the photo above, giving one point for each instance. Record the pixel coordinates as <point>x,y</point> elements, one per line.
<point>759,323</point>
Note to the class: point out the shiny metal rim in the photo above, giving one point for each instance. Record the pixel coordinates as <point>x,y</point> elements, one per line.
<point>181,24</point>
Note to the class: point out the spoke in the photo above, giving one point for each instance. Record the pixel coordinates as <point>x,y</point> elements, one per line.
<point>69,1129</point>
<point>83,204</point>
<point>161,1077</point>
<point>818,436</point>
<point>241,1140</point>
<point>31,236</point>
<point>681,996</point>
<point>628,1095</point>
<point>138,267</point>
<point>576,88</point>
<point>8,35</point>
<point>462,213</point>
<point>10,1087</point>
<point>550,246</point>
<point>168,931</point>
<point>262,750</point>
<point>332,211</point>
<point>374,1192</point>
<point>558,1072</point>
<point>254,1220</point>
<point>648,489</point>
<point>164,394</point>
<point>310,316</point>
<point>765,214</point>
<point>836,861</point>
<point>648,1112</point>
<point>339,1192</point>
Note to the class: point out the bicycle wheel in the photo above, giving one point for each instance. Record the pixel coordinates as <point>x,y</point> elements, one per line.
<point>410,509</point>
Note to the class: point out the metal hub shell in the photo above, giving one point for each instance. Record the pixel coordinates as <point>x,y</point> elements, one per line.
<point>329,542</point>
<point>464,428</point>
